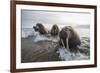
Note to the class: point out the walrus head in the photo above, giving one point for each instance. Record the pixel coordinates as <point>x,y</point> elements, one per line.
<point>35,28</point>
<point>39,27</point>
<point>54,30</point>
<point>65,34</point>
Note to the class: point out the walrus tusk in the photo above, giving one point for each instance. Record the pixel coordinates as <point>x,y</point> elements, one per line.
<point>67,43</point>
<point>62,43</point>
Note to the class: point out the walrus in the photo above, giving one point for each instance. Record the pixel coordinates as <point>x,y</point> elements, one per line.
<point>69,39</point>
<point>35,28</point>
<point>54,30</point>
<point>39,27</point>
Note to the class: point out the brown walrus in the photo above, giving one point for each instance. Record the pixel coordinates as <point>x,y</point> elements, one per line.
<point>39,27</point>
<point>69,38</point>
<point>54,30</point>
<point>35,28</point>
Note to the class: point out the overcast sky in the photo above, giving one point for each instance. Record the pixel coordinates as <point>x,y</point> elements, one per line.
<point>31,17</point>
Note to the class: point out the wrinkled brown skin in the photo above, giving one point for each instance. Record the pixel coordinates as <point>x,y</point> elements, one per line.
<point>73,40</point>
<point>39,27</point>
<point>54,30</point>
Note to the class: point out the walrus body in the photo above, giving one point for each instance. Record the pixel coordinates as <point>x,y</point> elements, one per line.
<point>39,27</point>
<point>69,38</point>
<point>54,30</point>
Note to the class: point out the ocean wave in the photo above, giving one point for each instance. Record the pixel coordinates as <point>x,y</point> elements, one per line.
<point>66,55</point>
<point>27,32</point>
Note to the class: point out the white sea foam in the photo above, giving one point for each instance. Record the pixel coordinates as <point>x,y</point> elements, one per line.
<point>45,38</point>
<point>23,34</point>
<point>66,55</point>
<point>40,38</point>
<point>26,32</point>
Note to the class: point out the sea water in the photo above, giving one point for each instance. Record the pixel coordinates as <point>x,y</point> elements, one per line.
<point>64,54</point>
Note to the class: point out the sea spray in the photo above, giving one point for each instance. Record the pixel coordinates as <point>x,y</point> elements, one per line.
<point>27,32</point>
<point>66,55</point>
<point>45,38</point>
<point>40,38</point>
